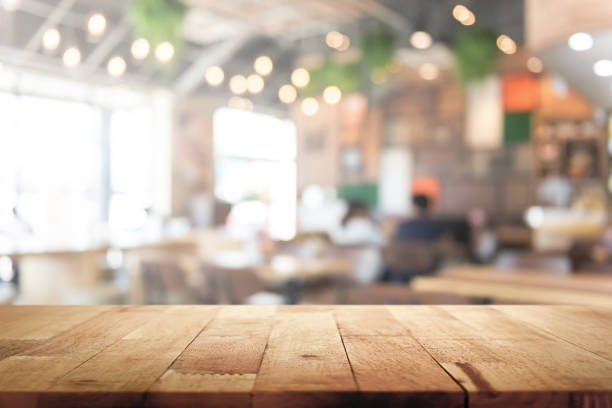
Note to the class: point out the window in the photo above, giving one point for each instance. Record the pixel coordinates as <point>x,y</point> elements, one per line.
<point>131,168</point>
<point>51,167</point>
<point>255,170</point>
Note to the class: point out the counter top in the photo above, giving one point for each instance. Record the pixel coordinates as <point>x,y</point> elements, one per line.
<point>305,356</point>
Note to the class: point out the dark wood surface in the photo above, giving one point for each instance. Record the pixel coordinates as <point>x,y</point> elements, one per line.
<point>305,356</point>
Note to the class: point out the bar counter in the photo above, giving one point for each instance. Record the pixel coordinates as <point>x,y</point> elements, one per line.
<point>305,356</point>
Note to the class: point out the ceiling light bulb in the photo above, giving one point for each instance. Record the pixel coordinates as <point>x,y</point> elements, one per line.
<point>287,94</point>
<point>214,76</point>
<point>140,49</point>
<point>263,65</point>
<point>535,65</point>
<point>506,44</point>
<point>580,42</point>
<point>10,5</point>
<point>345,44</point>
<point>116,66</point>
<point>310,106</point>
<point>238,84</point>
<point>255,84</point>
<point>334,39</point>
<point>470,20</point>
<point>603,68</point>
<point>461,13</point>
<point>300,77</point>
<point>72,57</point>
<point>51,39</point>
<point>429,71</point>
<point>332,95</point>
<point>421,40</point>
<point>96,25</point>
<point>164,52</point>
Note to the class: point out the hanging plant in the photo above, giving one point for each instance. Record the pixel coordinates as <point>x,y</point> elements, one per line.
<point>344,76</point>
<point>158,20</point>
<point>476,53</point>
<point>378,46</point>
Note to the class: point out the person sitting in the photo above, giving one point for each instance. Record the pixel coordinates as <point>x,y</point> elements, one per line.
<point>421,227</point>
<point>362,239</point>
<point>414,249</point>
<point>357,227</point>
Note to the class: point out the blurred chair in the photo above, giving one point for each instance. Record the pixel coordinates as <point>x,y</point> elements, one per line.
<point>404,260</point>
<point>390,294</point>
<point>241,286</point>
<point>167,281</point>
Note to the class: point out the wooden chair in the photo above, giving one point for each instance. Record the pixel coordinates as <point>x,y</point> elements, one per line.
<point>403,260</point>
<point>240,286</point>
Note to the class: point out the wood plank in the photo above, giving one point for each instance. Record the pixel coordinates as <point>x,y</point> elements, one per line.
<point>304,364</point>
<point>375,343</point>
<point>148,349</point>
<point>43,322</point>
<point>33,373</point>
<point>219,367</point>
<point>504,362</point>
<point>585,327</point>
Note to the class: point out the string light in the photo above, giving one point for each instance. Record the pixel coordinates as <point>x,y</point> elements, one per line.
<point>255,84</point>
<point>287,94</point>
<point>535,65</point>
<point>11,5</point>
<point>580,42</point>
<point>51,39</point>
<point>506,44</point>
<point>263,65</point>
<point>300,77</point>
<point>238,84</point>
<point>72,57</point>
<point>310,106</point>
<point>96,25</point>
<point>332,95</point>
<point>164,52</point>
<point>116,66</point>
<point>421,40</point>
<point>214,76</point>
<point>140,48</point>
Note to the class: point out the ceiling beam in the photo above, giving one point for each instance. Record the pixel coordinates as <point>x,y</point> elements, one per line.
<point>62,8</point>
<point>50,65</point>
<point>107,45</point>
<point>216,54</point>
<point>385,15</point>
<point>43,10</point>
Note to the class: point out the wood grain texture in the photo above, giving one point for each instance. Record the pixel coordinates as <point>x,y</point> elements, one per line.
<point>357,356</point>
<point>504,362</point>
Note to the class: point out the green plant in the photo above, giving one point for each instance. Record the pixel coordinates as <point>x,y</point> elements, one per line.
<point>378,45</point>
<point>476,53</point>
<point>344,76</point>
<point>158,20</point>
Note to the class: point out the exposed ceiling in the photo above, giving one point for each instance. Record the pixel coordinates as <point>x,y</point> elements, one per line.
<point>577,67</point>
<point>230,33</point>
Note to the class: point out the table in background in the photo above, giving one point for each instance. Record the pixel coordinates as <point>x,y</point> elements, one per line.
<point>520,285</point>
<point>303,356</point>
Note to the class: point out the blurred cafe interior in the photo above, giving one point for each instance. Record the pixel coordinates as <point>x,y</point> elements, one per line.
<point>305,152</point>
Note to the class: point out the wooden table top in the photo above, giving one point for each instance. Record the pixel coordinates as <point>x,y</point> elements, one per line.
<point>594,282</point>
<point>305,356</point>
